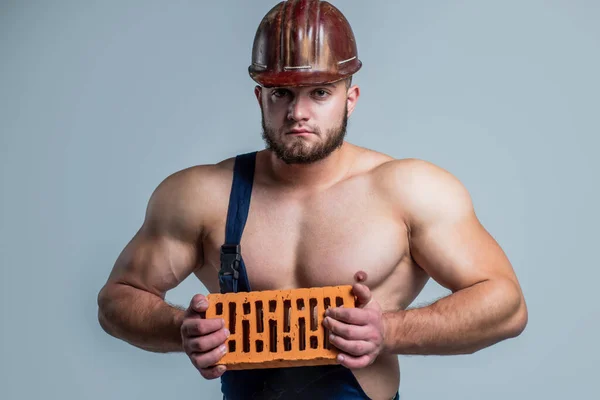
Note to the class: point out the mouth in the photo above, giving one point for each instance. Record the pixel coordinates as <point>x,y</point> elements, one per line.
<point>300,132</point>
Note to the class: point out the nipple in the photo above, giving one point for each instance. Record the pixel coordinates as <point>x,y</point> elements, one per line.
<point>360,276</point>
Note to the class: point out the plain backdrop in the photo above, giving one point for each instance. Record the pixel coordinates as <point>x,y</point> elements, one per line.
<point>100,101</point>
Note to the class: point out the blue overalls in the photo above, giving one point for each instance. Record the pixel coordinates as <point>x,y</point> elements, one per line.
<point>328,382</point>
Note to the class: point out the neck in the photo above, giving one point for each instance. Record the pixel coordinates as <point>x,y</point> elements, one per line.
<point>325,172</point>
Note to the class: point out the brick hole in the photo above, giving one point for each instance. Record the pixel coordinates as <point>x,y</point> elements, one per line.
<point>246,308</point>
<point>232,318</point>
<point>302,334</point>
<point>313,314</point>
<point>287,309</point>
<point>326,305</point>
<point>259,346</point>
<point>246,336</point>
<point>273,335</point>
<point>339,301</point>
<point>232,346</point>
<point>314,342</point>
<point>259,317</point>
<point>272,305</point>
<point>287,343</point>
<point>219,308</point>
<point>300,304</point>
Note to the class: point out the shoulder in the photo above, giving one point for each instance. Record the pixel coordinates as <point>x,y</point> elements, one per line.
<point>424,191</point>
<point>191,180</point>
<point>187,198</point>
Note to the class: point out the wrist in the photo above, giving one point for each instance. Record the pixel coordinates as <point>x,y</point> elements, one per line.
<point>178,317</point>
<point>390,321</point>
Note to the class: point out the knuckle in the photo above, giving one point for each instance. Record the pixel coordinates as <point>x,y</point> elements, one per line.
<point>359,348</point>
<point>195,359</point>
<point>194,346</point>
<point>201,362</point>
<point>373,336</point>
<point>201,346</point>
<point>200,327</point>
<point>186,347</point>
<point>345,331</point>
<point>189,348</point>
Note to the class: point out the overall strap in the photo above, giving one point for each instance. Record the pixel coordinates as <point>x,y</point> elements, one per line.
<point>232,276</point>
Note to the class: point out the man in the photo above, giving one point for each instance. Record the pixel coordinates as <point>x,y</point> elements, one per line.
<point>314,210</point>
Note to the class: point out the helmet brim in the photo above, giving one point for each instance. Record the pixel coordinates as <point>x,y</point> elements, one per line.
<point>299,78</point>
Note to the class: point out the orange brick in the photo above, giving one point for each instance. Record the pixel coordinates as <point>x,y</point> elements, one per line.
<point>278,328</point>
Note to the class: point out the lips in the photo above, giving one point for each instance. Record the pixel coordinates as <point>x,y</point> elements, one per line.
<point>299,131</point>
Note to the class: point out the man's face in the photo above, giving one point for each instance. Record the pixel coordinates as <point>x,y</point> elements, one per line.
<point>302,125</point>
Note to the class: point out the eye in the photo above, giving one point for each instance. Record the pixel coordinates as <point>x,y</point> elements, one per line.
<point>320,93</point>
<point>279,93</point>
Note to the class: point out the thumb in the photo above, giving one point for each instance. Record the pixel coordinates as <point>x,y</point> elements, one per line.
<point>363,295</point>
<point>199,303</point>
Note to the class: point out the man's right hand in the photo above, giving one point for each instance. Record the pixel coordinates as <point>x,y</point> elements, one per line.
<point>203,339</point>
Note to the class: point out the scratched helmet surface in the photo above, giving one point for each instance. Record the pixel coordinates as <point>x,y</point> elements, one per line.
<point>303,43</point>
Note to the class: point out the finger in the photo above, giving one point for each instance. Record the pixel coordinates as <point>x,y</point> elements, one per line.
<point>209,359</point>
<point>203,344</point>
<point>349,361</point>
<point>347,331</point>
<point>199,303</point>
<point>353,347</point>
<point>197,327</point>
<point>213,372</point>
<point>355,316</point>
<point>362,293</point>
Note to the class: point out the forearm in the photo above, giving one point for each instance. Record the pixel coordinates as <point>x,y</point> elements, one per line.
<point>140,318</point>
<point>462,323</point>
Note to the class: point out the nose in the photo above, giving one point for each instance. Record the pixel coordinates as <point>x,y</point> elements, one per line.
<point>299,109</point>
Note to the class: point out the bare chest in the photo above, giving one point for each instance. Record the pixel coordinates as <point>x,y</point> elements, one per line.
<point>317,240</point>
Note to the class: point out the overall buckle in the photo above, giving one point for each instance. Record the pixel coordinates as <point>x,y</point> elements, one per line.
<point>231,258</point>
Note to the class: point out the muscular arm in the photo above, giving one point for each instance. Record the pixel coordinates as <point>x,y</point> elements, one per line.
<point>449,243</point>
<point>162,254</point>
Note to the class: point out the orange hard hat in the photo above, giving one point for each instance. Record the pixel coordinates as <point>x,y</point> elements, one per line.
<point>303,43</point>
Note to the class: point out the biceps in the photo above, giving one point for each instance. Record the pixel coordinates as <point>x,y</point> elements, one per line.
<point>155,264</point>
<point>459,254</point>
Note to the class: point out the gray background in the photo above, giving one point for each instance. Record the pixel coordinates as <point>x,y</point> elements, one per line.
<point>99,101</point>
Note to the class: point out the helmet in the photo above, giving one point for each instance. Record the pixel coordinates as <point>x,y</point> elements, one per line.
<point>303,43</point>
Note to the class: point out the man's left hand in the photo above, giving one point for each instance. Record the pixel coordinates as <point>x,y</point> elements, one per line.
<point>357,332</point>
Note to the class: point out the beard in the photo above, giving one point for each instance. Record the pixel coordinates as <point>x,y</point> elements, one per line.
<point>300,152</point>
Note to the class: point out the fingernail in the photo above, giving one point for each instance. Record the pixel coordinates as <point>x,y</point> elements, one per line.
<point>221,368</point>
<point>201,303</point>
<point>223,349</point>
<point>227,332</point>
<point>331,337</point>
<point>340,358</point>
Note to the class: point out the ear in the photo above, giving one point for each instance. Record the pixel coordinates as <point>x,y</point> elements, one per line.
<point>258,94</point>
<point>352,98</point>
